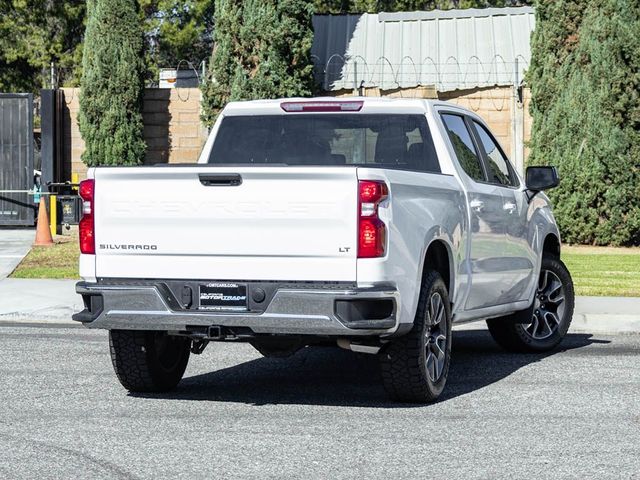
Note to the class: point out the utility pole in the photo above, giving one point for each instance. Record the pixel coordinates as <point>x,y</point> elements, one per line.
<point>517,122</point>
<point>53,75</point>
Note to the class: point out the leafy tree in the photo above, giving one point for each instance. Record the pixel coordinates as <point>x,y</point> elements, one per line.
<point>177,31</point>
<point>35,33</point>
<point>263,50</point>
<point>586,110</point>
<point>111,96</point>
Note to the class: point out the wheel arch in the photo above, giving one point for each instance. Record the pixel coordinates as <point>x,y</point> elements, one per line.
<point>551,245</point>
<point>438,257</point>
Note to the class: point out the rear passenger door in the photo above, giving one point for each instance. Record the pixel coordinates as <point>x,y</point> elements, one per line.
<point>518,254</point>
<point>487,235</point>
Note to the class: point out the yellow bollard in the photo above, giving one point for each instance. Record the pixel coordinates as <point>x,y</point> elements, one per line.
<point>53,214</point>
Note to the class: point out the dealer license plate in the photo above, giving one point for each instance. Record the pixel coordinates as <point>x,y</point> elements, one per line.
<point>223,296</point>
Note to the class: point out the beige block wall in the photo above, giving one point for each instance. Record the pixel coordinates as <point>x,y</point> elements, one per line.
<point>174,133</point>
<point>172,128</point>
<point>72,143</point>
<point>414,92</point>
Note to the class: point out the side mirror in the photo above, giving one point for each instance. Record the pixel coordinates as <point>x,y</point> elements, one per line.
<point>541,178</point>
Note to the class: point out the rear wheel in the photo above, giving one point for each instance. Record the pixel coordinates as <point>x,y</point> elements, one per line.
<point>148,361</point>
<point>415,367</point>
<point>542,326</point>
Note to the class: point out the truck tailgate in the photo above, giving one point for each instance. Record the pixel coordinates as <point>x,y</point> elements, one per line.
<point>232,223</point>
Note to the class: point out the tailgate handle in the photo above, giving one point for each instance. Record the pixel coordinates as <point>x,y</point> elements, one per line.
<point>220,180</point>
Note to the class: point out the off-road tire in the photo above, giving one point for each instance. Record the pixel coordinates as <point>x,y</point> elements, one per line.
<point>512,332</point>
<point>403,362</point>
<point>148,361</point>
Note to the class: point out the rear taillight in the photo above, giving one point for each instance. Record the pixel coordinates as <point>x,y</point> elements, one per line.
<point>372,232</point>
<point>87,225</point>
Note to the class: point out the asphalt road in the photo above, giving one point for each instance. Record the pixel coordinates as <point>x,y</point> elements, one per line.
<point>319,414</point>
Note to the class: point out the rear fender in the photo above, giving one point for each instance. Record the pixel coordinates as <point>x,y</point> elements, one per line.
<point>541,224</point>
<point>437,234</point>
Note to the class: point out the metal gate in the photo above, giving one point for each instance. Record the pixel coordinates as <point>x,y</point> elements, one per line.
<point>16,159</point>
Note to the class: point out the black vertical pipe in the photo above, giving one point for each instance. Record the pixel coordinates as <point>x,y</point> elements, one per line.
<point>48,136</point>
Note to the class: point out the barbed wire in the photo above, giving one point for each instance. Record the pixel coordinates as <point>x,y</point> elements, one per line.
<point>340,71</point>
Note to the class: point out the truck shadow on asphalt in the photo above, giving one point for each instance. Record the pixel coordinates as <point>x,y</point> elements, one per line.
<point>334,377</point>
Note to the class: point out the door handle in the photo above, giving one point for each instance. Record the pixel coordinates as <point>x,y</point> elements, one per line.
<point>477,205</point>
<point>510,207</point>
<point>220,180</point>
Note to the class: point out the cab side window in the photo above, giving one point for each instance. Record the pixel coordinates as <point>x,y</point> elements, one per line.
<point>463,145</point>
<point>497,164</point>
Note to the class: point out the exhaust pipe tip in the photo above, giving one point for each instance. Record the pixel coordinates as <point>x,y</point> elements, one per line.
<point>357,347</point>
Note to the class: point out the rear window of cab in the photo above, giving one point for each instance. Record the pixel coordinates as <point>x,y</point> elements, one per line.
<point>372,140</point>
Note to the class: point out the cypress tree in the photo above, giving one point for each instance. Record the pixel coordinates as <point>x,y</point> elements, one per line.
<point>111,87</point>
<point>553,40</point>
<point>586,110</point>
<point>262,50</point>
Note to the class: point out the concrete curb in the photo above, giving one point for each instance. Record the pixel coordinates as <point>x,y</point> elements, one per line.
<point>596,325</point>
<point>577,328</point>
<point>606,315</point>
<point>598,315</point>
<point>54,316</point>
<point>52,302</point>
<point>605,324</point>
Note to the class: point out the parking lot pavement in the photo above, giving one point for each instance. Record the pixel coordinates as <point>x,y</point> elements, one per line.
<point>14,245</point>
<point>319,414</point>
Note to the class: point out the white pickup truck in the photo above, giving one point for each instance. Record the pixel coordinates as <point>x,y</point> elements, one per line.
<point>373,224</point>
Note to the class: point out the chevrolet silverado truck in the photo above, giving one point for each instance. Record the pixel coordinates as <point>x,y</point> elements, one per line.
<point>373,224</point>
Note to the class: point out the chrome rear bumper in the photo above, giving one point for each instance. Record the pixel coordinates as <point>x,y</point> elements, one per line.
<point>290,311</point>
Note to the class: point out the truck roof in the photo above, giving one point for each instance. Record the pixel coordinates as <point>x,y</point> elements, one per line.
<point>369,105</point>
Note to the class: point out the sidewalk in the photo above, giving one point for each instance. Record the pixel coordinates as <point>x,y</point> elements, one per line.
<point>54,301</point>
<point>31,300</point>
<point>38,301</point>
<point>14,245</point>
<point>606,315</point>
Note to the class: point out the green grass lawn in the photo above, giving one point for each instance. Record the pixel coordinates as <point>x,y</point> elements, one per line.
<point>604,271</point>
<point>57,261</point>
<point>598,271</point>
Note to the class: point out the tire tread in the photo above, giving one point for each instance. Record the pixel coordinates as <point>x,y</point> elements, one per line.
<point>401,368</point>
<point>134,365</point>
